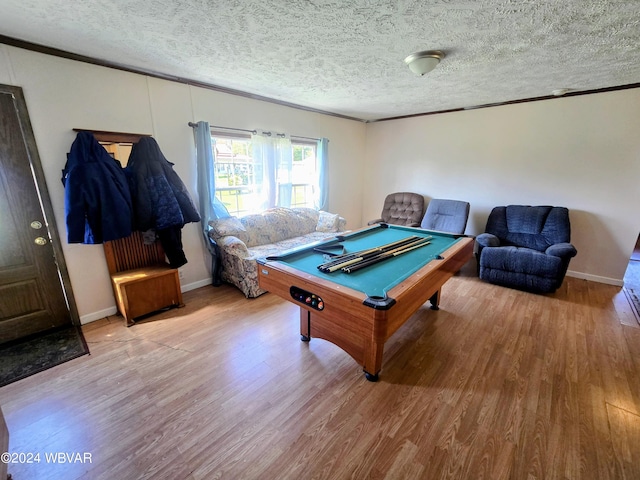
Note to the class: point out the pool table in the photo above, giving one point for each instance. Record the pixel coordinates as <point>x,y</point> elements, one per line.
<point>359,311</point>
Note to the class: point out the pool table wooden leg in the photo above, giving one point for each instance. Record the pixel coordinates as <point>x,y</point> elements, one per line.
<point>435,300</point>
<point>305,325</point>
<point>372,359</point>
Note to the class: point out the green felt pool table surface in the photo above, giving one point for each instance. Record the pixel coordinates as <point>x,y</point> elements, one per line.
<point>376,280</point>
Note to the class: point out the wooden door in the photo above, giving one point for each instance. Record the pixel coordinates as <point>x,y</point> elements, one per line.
<point>32,292</point>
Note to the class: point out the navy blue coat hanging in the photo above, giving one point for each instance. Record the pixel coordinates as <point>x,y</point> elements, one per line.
<point>160,199</point>
<point>98,204</point>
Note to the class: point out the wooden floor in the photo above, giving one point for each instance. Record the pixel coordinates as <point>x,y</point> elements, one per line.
<point>498,384</point>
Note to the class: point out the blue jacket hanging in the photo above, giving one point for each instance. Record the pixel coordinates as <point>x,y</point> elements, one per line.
<point>98,204</point>
<point>160,198</point>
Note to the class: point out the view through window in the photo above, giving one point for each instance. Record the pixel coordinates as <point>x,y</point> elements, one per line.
<point>239,178</point>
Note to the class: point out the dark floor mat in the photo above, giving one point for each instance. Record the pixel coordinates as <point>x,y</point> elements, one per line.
<point>24,358</point>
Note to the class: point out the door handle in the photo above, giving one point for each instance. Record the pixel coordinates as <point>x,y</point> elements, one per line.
<point>40,241</point>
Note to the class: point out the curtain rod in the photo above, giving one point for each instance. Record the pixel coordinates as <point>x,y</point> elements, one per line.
<point>254,132</point>
<point>193,125</point>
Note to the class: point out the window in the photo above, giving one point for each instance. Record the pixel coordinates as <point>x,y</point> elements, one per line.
<point>235,173</point>
<point>304,174</point>
<point>240,178</point>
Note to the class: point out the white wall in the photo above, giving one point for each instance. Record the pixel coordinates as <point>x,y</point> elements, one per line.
<point>63,94</point>
<point>579,152</point>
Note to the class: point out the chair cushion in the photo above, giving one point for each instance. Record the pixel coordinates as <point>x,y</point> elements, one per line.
<point>446,216</point>
<point>520,260</point>
<point>403,208</point>
<point>521,268</point>
<point>525,219</point>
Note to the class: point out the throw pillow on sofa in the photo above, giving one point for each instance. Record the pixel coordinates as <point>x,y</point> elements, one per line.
<point>229,226</point>
<point>327,222</point>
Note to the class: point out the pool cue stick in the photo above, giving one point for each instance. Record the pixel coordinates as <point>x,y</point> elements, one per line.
<point>372,249</point>
<point>366,258</point>
<point>343,265</point>
<point>338,259</point>
<point>334,265</point>
<point>382,257</point>
<point>373,261</point>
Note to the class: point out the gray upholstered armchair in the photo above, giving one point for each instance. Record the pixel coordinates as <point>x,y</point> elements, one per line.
<point>402,208</point>
<point>526,247</point>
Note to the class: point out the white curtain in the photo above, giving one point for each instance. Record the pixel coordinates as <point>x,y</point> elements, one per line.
<point>273,158</point>
<point>321,192</point>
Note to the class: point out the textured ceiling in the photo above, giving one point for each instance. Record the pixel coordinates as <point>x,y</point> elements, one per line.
<point>346,57</point>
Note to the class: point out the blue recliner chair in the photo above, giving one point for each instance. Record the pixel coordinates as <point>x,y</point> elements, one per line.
<point>527,248</point>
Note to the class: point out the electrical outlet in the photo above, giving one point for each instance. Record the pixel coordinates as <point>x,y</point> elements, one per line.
<point>181,274</point>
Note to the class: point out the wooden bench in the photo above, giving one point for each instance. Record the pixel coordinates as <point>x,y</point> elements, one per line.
<point>142,280</point>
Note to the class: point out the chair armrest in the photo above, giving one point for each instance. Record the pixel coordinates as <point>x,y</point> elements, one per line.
<point>487,240</point>
<point>373,222</point>
<point>562,250</point>
<point>233,246</point>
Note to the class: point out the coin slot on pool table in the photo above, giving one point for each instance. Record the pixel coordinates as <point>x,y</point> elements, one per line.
<point>310,299</point>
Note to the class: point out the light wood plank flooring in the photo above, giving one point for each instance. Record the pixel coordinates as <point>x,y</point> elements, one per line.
<point>498,384</point>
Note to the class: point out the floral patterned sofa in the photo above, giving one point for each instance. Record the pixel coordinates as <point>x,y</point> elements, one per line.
<point>241,241</point>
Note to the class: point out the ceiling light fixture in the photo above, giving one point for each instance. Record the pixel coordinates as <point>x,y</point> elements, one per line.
<point>422,63</point>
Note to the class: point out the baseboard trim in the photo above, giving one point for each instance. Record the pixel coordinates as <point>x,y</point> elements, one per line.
<point>92,317</point>
<point>194,285</point>
<point>596,278</point>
